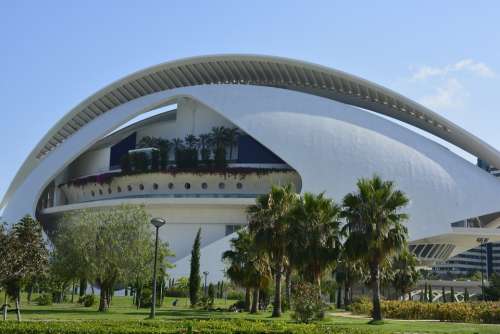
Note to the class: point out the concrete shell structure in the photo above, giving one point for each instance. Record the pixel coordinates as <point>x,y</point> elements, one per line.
<point>321,126</point>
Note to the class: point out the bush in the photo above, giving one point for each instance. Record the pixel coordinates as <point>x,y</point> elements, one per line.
<point>146,297</point>
<point>176,292</point>
<point>44,299</point>
<point>235,295</point>
<point>170,327</point>
<point>87,300</point>
<point>485,312</point>
<point>307,304</point>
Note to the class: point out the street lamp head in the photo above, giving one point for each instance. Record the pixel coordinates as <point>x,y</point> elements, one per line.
<point>205,273</point>
<point>158,222</point>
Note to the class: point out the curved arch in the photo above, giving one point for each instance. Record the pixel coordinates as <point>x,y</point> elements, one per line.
<point>253,70</point>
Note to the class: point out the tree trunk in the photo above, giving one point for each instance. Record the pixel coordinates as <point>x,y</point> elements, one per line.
<point>247,299</point>
<point>30,292</point>
<point>103,300</point>
<point>339,297</point>
<point>375,277</point>
<point>255,301</point>
<point>18,308</point>
<point>288,287</point>
<point>277,290</point>
<point>73,291</point>
<point>83,287</point>
<point>346,294</point>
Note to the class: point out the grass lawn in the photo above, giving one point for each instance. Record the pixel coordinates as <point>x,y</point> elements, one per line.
<point>123,310</point>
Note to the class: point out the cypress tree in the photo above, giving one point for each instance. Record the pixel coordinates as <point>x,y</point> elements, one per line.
<point>452,293</point>
<point>194,275</point>
<point>466,295</point>
<point>430,294</point>
<point>444,294</point>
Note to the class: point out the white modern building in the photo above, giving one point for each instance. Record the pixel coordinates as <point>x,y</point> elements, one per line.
<point>485,258</point>
<point>315,127</point>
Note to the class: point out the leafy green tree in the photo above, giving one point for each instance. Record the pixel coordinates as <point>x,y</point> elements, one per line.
<point>405,274</point>
<point>211,295</point>
<point>315,236</point>
<point>374,227</point>
<point>194,274</point>
<point>492,291</point>
<point>24,255</point>
<point>269,222</point>
<point>115,244</point>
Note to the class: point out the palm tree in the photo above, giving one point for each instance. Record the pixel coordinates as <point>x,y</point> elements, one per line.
<point>375,229</point>
<point>269,222</point>
<point>178,143</point>
<point>248,266</point>
<point>146,142</point>
<point>404,272</point>
<point>205,140</point>
<point>164,145</point>
<point>192,142</point>
<point>347,273</point>
<point>232,135</point>
<point>315,236</point>
<point>218,140</point>
<point>178,147</point>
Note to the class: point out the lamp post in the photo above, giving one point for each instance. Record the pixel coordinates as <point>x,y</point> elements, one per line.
<point>157,223</point>
<point>482,241</point>
<point>206,274</point>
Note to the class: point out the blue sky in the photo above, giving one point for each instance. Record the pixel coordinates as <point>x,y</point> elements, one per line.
<point>444,54</point>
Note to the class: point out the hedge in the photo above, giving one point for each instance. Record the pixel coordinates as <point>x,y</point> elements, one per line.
<point>478,312</point>
<point>171,327</point>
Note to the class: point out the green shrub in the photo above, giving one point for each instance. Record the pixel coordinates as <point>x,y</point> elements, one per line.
<point>146,297</point>
<point>485,312</point>
<point>307,304</point>
<point>44,299</point>
<point>235,295</point>
<point>176,292</point>
<point>87,300</point>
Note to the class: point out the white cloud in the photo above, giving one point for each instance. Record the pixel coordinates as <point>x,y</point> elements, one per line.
<point>450,95</point>
<point>464,65</point>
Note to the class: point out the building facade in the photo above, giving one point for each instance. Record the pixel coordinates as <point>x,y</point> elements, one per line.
<point>485,258</point>
<point>314,127</point>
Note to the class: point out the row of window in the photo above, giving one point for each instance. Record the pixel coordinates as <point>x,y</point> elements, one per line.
<point>170,186</point>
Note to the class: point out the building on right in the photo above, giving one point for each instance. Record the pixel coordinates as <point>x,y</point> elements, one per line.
<point>484,258</point>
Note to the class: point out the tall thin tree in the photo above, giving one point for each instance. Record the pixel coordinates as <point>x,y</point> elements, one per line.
<point>194,275</point>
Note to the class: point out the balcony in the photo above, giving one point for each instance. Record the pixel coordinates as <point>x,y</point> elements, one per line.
<point>199,183</point>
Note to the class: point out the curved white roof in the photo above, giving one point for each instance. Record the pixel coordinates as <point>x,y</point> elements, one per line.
<point>254,70</point>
